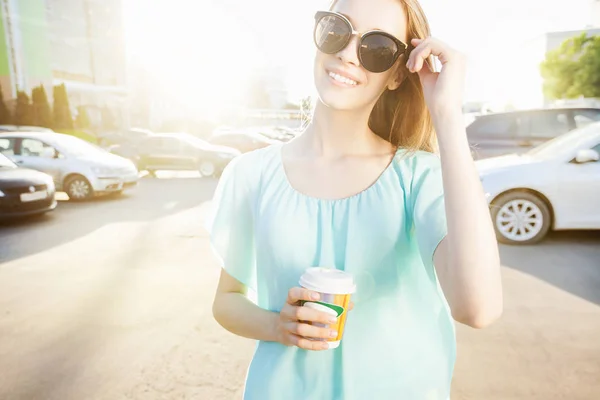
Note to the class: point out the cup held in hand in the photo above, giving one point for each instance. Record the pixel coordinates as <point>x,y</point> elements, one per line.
<point>336,288</point>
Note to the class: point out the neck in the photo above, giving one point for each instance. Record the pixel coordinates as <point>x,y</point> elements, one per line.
<point>336,133</point>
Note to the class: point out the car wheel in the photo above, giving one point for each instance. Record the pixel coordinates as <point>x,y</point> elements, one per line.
<point>78,188</point>
<point>520,218</point>
<point>207,168</point>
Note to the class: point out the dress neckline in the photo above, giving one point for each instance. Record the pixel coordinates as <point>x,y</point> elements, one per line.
<point>370,187</point>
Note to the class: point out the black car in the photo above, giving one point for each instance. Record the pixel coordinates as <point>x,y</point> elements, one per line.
<point>24,191</point>
<point>519,131</point>
<point>178,151</point>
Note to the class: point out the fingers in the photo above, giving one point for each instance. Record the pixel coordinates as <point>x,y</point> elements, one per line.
<point>419,56</point>
<point>303,313</point>
<point>308,344</point>
<point>297,294</point>
<point>310,331</point>
<point>424,49</point>
<point>314,345</point>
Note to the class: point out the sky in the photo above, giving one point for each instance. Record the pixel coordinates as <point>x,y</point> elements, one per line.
<point>213,47</point>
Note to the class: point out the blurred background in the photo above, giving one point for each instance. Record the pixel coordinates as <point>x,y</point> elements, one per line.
<point>117,118</point>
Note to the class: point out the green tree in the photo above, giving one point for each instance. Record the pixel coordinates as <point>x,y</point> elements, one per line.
<point>61,110</point>
<point>42,114</point>
<point>23,110</point>
<point>5,117</point>
<point>573,70</point>
<point>82,121</point>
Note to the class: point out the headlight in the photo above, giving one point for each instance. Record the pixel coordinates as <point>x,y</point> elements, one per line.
<point>50,185</point>
<point>2,193</point>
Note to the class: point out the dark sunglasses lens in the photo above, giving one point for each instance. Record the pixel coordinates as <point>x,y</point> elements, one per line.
<point>378,52</point>
<point>331,34</point>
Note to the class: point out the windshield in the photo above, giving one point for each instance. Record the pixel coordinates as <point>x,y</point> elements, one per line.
<point>5,162</point>
<point>78,147</point>
<point>565,143</point>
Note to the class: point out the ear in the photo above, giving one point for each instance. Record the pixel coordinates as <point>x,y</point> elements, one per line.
<point>395,80</point>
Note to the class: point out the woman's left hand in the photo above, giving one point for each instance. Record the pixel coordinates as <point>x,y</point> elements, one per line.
<point>443,90</point>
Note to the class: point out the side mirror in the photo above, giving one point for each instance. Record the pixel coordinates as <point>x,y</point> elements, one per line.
<point>587,155</point>
<point>49,152</point>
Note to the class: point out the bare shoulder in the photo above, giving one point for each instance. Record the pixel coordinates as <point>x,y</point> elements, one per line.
<point>417,161</point>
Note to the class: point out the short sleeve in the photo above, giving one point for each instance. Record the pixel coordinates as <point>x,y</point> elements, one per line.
<point>429,213</point>
<point>230,223</point>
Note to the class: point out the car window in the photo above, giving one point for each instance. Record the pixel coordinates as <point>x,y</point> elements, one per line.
<point>493,126</point>
<point>597,148</point>
<point>152,144</point>
<point>585,117</point>
<point>36,148</point>
<point>548,124</point>
<point>7,146</point>
<point>171,144</point>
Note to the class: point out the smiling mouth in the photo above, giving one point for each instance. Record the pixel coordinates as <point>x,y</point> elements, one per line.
<point>342,79</point>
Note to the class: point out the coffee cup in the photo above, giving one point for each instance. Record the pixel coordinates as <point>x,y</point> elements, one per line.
<point>335,288</point>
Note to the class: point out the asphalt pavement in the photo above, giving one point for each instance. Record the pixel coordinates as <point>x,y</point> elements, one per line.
<point>110,299</point>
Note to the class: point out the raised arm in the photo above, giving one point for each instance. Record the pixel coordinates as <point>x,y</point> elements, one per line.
<point>466,261</point>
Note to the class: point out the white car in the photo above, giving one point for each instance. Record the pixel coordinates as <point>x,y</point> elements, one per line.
<point>555,186</point>
<point>79,168</point>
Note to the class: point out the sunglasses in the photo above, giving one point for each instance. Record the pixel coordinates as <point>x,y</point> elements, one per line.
<point>377,50</point>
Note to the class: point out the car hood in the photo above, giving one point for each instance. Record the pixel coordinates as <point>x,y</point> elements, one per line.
<point>18,177</point>
<point>494,164</point>
<point>107,160</point>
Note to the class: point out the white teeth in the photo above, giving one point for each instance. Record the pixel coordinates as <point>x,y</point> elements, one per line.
<point>342,79</point>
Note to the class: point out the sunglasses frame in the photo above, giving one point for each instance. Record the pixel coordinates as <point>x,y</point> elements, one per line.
<point>402,47</point>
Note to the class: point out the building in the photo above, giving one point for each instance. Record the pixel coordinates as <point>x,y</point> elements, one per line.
<point>595,13</point>
<point>76,42</point>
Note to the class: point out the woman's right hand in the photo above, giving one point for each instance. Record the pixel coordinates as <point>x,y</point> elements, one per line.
<point>293,328</point>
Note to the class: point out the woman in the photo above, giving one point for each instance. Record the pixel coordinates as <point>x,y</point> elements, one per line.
<point>363,191</point>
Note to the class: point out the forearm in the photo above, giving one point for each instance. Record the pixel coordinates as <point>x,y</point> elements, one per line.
<point>471,271</point>
<point>238,315</point>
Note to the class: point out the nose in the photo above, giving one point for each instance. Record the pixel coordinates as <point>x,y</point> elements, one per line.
<point>349,54</point>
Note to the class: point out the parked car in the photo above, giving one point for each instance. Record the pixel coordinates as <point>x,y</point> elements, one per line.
<point>242,140</point>
<point>79,168</point>
<point>182,151</point>
<point>128,137</point>
<point>519,131</point>
<point>23,128</point>
<point>555,186</point>
<point>24,191</point>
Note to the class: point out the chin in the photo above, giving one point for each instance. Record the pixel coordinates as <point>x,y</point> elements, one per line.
<point>338,98</point>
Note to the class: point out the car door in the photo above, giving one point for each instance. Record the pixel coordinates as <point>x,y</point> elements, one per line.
<point>494,134</point>
<point>580,185</point>
<point>178,155</point>
<point>150,154</point>
<point>38,155</point>
<point>540,126</point>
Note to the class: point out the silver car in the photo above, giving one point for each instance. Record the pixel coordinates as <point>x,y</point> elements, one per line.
<point>79,168</point>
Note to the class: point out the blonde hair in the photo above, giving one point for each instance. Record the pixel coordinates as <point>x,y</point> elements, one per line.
<point>401,116</point>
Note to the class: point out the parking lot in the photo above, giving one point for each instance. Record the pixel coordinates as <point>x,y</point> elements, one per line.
<point>111,299</point>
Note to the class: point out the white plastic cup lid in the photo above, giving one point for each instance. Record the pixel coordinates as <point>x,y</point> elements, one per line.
<point>328,280</point>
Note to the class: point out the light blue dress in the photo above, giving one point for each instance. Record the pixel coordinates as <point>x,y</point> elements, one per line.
<point>399,341</point>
